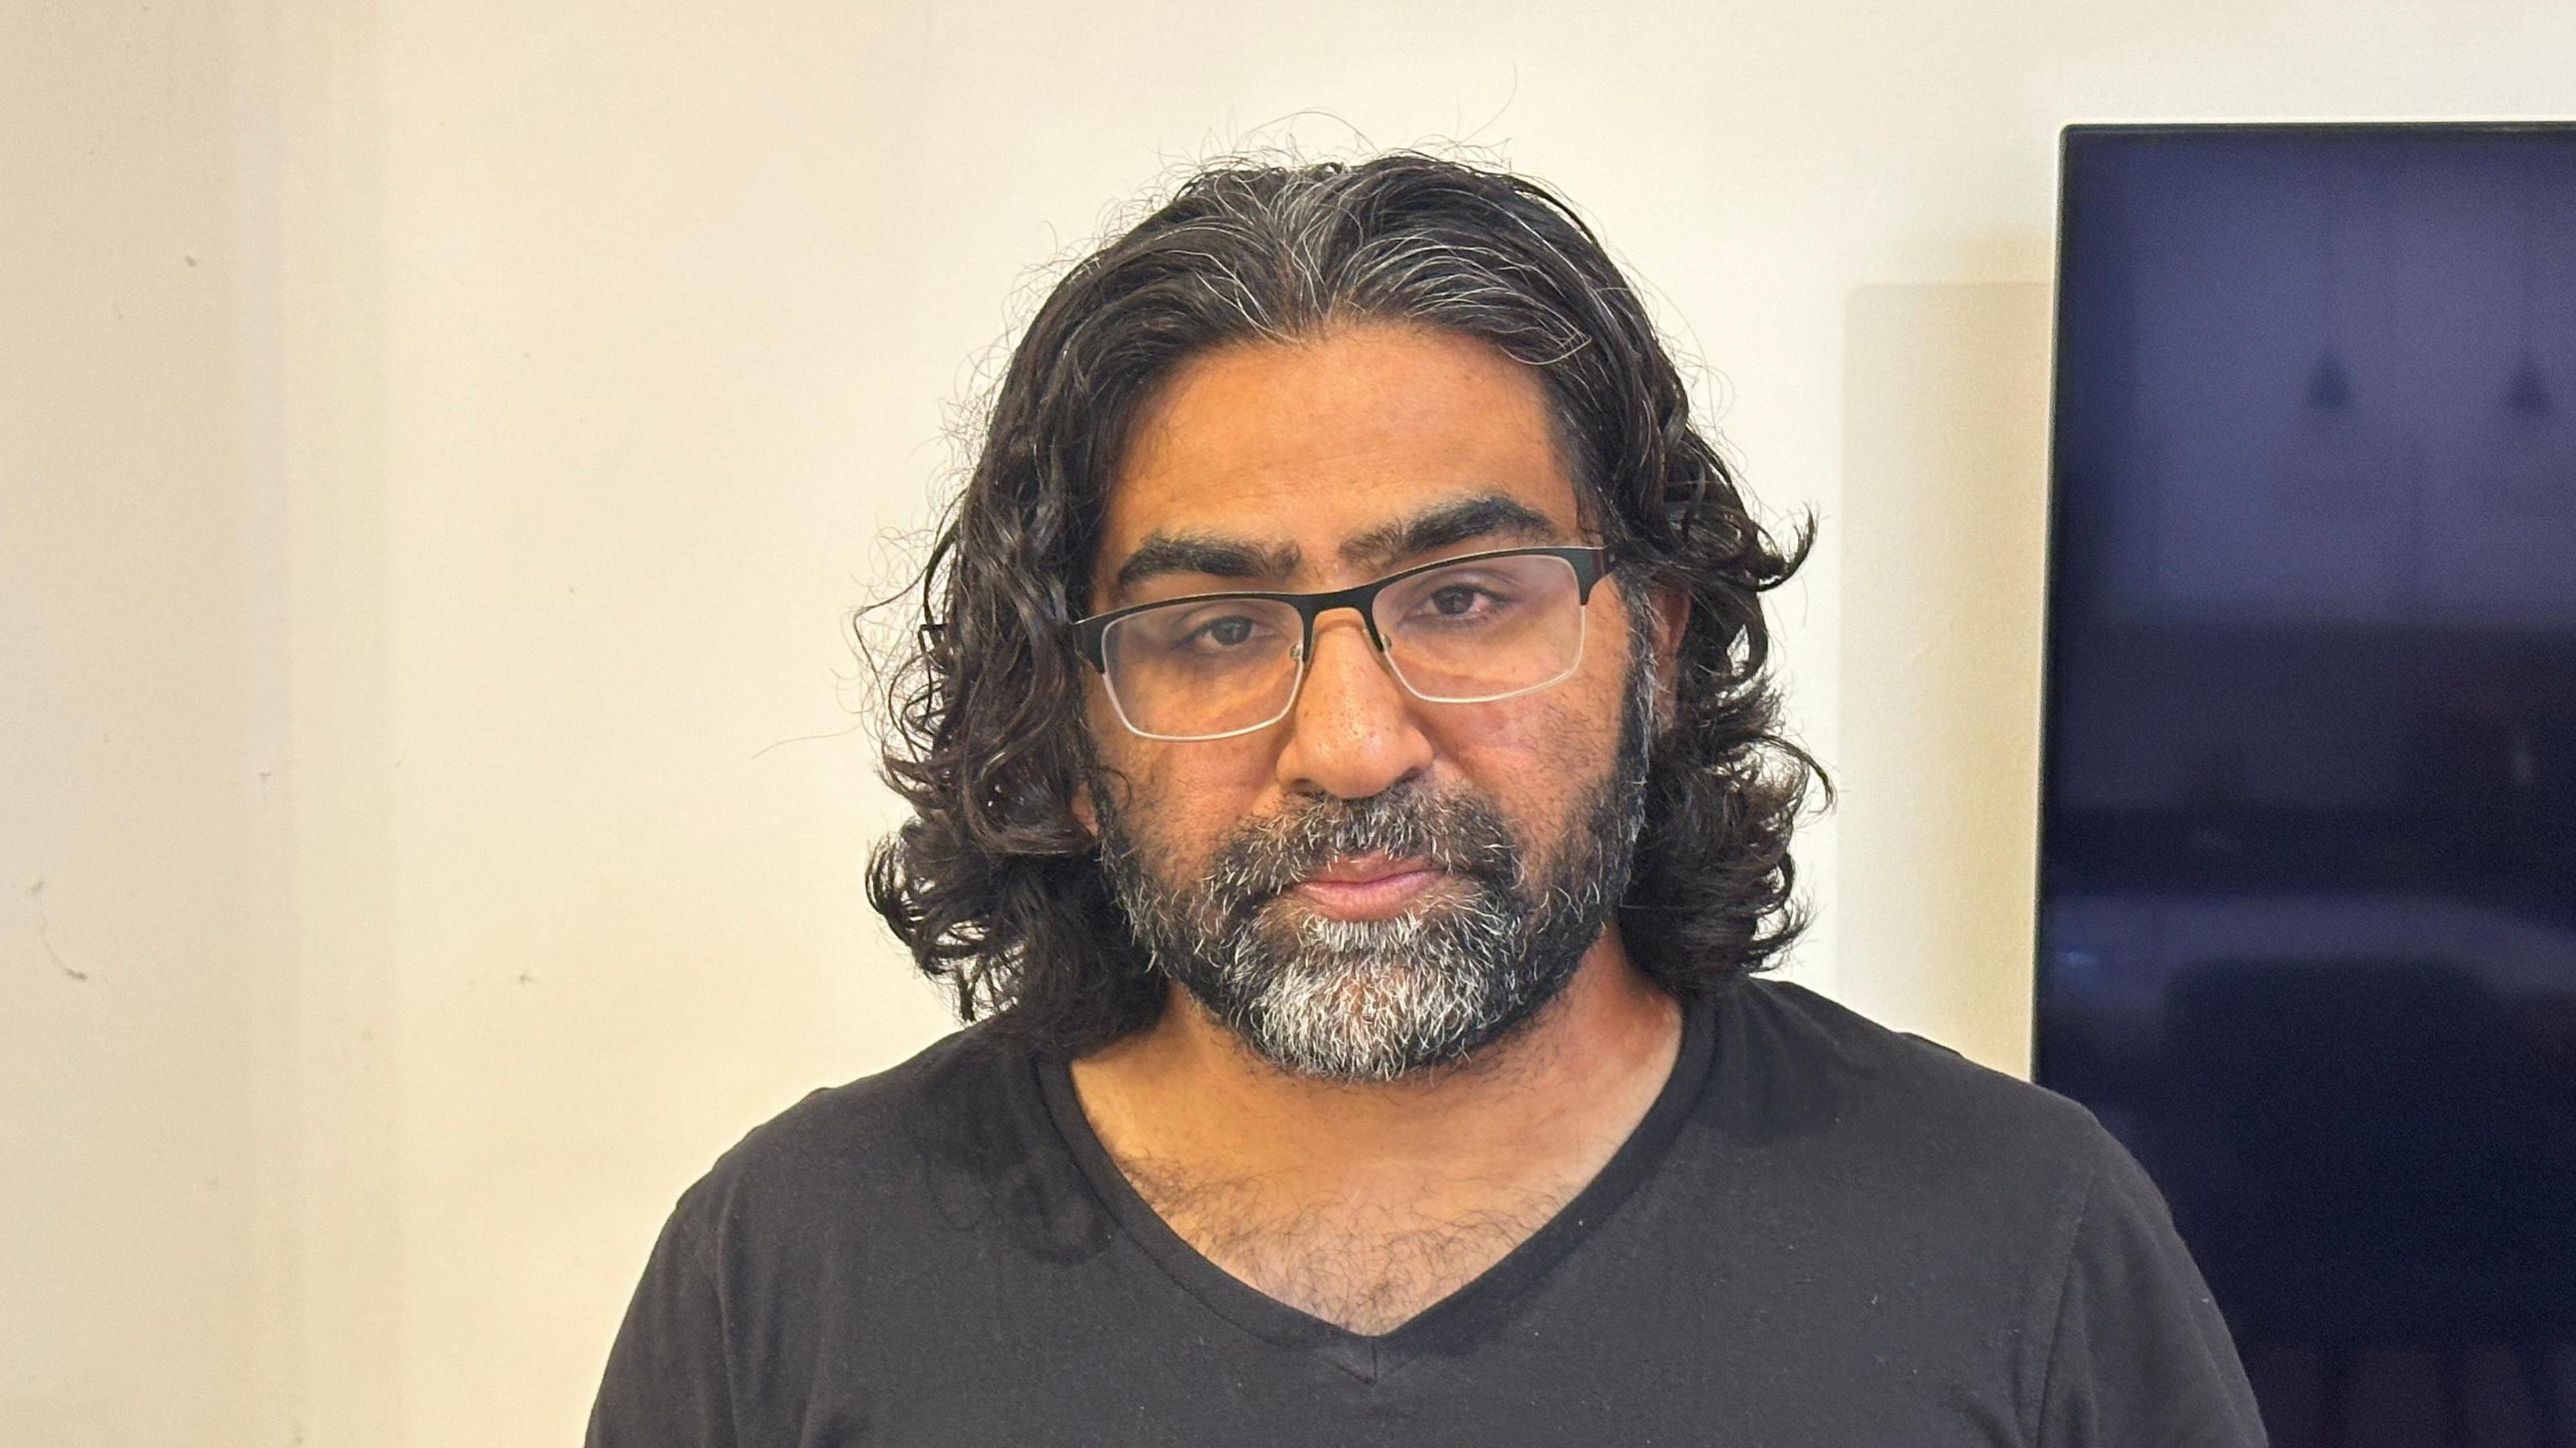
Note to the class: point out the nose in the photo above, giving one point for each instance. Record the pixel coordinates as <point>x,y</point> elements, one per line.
<point>1353,732</point>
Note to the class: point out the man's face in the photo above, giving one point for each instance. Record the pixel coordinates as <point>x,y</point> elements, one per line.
<point>1375,884</point>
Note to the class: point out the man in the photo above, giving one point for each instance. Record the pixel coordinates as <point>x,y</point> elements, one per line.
<point>1348,801</point>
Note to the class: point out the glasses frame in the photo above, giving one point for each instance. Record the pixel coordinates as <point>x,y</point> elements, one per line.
<point>1591,564</point>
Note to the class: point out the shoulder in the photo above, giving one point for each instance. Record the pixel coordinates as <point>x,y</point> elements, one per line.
<point>1815,1077</point>
<point>861,1166</point>
<point>1943,1202</point>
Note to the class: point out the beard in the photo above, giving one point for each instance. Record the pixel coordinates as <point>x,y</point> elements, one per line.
<point>1375,1000</point>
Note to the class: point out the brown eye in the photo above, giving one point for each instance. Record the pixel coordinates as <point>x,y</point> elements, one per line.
<point>1223,633</point>
<point>1455,601</point>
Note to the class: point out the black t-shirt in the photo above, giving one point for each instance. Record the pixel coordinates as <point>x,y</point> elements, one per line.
<point>1823,1232</point>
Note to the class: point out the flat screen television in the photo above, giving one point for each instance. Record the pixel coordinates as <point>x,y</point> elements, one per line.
<point>2307,937</point>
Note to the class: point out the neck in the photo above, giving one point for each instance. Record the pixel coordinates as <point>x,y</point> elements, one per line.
<point>1254,1165</point>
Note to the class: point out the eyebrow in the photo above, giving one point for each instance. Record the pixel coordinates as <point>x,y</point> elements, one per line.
<point>1445,525</point>
<point>1211,554</point>
<point>1467,520</point>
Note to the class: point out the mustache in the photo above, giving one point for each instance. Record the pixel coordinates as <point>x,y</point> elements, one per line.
<point>1456,832</point>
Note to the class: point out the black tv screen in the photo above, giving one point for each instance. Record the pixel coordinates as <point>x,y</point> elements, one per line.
<point>2307,936</point>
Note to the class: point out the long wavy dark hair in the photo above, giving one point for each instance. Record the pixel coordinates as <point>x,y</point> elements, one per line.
<point>994,883</point>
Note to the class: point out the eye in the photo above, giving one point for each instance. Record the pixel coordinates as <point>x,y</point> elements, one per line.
<point>1230,632</point>
<point>1463,600</point>
<point>1457,600</point>
<point>1217,631</point>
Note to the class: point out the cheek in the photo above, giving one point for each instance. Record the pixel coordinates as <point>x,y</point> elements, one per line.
<point>1538,754</point>
<point>1541,754</point>
<point>1545,744</point>
<point>1573,723</point>
<point>1180,799</point>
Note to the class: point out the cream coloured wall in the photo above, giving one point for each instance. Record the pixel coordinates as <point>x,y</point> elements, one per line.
<point>139,712</point>
<point>423,692</point>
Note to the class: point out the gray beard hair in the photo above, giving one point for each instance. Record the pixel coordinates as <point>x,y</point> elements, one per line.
<point>1375,1000</point>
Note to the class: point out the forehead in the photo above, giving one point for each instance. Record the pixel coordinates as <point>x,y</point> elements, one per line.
<point>1313,442</point>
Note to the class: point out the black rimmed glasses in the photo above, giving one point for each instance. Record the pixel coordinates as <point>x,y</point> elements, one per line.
<point>1464,630</point>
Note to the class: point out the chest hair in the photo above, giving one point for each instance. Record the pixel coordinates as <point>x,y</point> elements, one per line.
<point>1368,1266</point>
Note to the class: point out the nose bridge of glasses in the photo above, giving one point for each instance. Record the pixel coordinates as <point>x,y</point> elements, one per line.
<point>1325,608</point>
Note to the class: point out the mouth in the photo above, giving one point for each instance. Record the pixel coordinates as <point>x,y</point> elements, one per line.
<point>1367,887</point>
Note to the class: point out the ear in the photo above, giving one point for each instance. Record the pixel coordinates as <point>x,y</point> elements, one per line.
<point>1085,813</point>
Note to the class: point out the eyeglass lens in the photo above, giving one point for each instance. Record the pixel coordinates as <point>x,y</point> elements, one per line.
<point>1484,629</point>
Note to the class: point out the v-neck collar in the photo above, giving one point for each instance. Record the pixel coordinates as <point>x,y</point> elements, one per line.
<point>1454,1321</point>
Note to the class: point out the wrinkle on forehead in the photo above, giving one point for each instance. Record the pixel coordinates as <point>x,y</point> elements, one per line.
<point>1331,446</point>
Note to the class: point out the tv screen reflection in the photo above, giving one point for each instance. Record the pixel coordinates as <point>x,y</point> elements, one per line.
<point>2308,895</point>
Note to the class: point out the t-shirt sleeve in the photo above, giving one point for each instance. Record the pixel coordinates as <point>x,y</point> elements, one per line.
<point>2140,1357</point>
<point>667,1384</point>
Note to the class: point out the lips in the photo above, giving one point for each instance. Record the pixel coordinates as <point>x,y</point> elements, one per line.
<point>1367,887</point>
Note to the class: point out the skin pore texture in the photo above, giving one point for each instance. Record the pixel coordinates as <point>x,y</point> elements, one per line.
<point>1364,1203</point>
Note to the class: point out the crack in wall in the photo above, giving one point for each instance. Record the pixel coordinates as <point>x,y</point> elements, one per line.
<point>45,931</point>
